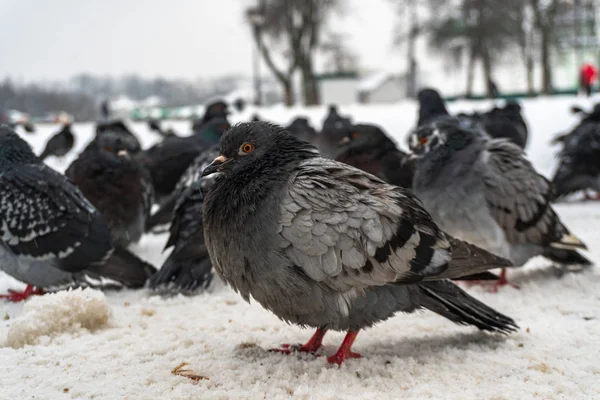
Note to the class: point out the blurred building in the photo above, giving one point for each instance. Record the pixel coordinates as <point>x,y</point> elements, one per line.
<point>382,87</point>
<point>339,88</point>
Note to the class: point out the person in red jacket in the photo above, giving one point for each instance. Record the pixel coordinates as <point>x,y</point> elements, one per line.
<point>588,74</point>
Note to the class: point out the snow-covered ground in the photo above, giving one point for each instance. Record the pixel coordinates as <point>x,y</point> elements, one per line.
<point>555,355</point>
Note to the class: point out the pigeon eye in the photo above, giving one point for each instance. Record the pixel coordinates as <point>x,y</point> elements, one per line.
<point>423,140</point>
<point>355,135</point>
<point>247,148</point>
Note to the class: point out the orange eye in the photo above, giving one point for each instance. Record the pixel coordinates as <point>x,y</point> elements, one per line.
<point>423,140</point>
<point>247,147</point>
<point>355,135</point>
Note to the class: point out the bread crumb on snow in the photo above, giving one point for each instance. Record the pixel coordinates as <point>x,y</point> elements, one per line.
<point>58,313</point>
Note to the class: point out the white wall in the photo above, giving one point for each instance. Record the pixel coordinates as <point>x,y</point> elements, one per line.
<point>338,91</point>
<point>390,91</point>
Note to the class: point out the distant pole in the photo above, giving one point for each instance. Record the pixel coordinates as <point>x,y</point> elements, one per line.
<point>256,74</point>
<point>256,19</point>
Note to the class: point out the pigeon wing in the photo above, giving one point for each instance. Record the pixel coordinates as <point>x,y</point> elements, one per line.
<point>348,229</point>
<point>43,216</point>
<point>519,198</point>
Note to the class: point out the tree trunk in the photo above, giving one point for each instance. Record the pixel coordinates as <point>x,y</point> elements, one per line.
<point>470,72</point>
<point>288,92</point>
<point>529,69</point>
<point>546,62</point>
<point>487,71</point>
<point>310,89</point>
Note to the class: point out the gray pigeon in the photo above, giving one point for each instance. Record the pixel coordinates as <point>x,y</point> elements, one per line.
<point>50,235</point>
<point>323,244</point>
<point>485,191</point>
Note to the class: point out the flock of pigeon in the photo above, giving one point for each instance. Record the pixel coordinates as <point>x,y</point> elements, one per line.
<point>336,230</point>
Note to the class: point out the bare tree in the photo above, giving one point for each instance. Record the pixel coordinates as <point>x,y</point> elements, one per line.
<point>338,56</point>
<point>526,44</point>
<point>293,29</point>
<point>544,13</point>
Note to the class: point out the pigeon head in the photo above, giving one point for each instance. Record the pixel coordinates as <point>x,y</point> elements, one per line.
<point>431,105</point>
<point>13,149</point>
<point>251,148</point>
<point>114,143</point>
<point>435,135</point>
<point>368,136</point>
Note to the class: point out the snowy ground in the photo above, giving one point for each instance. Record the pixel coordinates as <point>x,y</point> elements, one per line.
<point>555,355</point>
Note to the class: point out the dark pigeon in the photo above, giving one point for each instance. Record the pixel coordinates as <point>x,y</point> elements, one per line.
<point>579,161</point>
<point>303,130</point>
<point>218,109</point>
<point>59,144</point>
<point>370,149</point>
<point>168,160</point>
<point>117,185</point>
<point>335,128</point>
<point>188,267</point>
<point>51,236</point>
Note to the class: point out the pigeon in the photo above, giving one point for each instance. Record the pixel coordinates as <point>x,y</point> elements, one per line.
<point>116,128</point>
<point>217,109</point>
<point>369,148</point>
<point>188,267</point>
<point>485,191</point>
<point>301,128</point>
<point>168,160</point>
<point>117,185</point>
<point>579,166</point>
<point>592,117</point>
<point>60,144</point>
<point>51,236</point>
<point>499,122</point>
<point>323,244</point>
<point>154,126</point>
<point>431,107</point>
<point>165,212</point>
<point>335,128</point>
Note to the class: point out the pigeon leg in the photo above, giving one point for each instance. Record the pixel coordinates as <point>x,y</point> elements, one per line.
<point>16,296</point>
<point>502,281</point>
<point>344,351</point>
<point>313,344</point>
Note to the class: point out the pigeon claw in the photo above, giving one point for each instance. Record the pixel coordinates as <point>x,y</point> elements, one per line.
<point>16,296</point>
<point>339,357</point>
<point>345,352</point>
<point>312,346</point>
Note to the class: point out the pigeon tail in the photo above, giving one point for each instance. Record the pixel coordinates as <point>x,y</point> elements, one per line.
<point>568,242</point>
<point>164,214</point>
<point>566,256</point>
<point>450,301</point>
<point>182,276</point>
<point>469,260</point>
<point>125,268</point>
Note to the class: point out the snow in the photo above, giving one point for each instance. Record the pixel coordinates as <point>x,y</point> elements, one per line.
<point>49,316</point>
<point>225,340</point>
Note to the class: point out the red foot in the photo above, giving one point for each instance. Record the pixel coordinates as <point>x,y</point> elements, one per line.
<point>16,296</point>
<point>494,286</point>
<point>338,358</point>
<point>311,346</point>
<point>345,352</point>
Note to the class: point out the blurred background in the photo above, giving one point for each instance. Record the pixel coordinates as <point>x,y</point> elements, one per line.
<point>67,59</point>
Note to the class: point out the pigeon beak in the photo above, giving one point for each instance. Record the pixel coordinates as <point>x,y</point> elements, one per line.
<point>123,153</point>
<point>344,141</point>
<point>214,166</point>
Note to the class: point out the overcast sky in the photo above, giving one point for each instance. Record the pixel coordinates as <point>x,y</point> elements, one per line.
<point>178,38</point>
